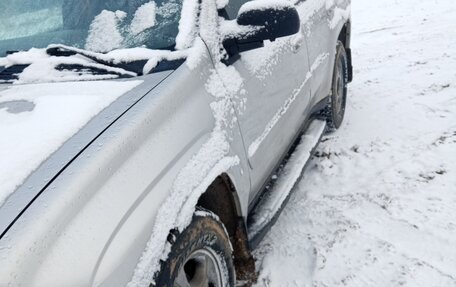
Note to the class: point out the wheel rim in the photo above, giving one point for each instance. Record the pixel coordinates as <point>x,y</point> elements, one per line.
<point>201,269</point>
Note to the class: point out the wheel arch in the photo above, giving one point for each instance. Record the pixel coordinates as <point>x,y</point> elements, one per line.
<point>345,34</point>
<point>221,198</point>
<point>345,38</point>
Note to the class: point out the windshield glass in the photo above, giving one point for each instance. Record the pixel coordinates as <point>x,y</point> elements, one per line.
<point>96,25</point>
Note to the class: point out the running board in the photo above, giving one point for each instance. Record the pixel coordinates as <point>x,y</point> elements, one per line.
<point>277,193</point>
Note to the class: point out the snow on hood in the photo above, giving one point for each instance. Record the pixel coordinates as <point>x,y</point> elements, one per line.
<point>36,119</point>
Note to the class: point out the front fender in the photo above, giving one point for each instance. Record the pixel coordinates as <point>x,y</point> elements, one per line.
<point>92,224</point>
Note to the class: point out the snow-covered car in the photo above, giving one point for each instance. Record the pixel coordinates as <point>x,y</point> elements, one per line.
<point>153,143</point>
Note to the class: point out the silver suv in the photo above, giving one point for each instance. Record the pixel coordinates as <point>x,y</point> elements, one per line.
<point>153,143</point>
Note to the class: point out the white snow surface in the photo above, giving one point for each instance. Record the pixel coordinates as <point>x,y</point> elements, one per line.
<point>376,207</point>
<point>57,111</point>
<point>231,29</point>
<point>262,5</point>
<point>187,25</point>
<point>104,34</point>
<point>144,18</point>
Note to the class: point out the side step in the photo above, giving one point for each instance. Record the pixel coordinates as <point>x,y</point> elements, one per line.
<point>277,193</point>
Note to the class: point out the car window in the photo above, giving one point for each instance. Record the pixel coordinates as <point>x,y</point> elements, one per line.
<point>232,9</point>
<point>97,25</point>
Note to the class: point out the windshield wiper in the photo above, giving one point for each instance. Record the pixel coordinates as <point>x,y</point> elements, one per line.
<point>121,68</point>
<point>103,66</point>
<point>11,73</point>
<point>82,69</point>
<point>136,66</point>
<point>63,51</point>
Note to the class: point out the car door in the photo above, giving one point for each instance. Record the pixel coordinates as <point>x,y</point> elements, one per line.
<point>320,47</point>
<point>276,94</point>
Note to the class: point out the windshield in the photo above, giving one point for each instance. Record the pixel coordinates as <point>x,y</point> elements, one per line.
<point>96,25</point>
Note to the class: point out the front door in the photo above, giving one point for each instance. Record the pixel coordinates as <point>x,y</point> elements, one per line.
<point>320,45</point>
<point>275,97</point>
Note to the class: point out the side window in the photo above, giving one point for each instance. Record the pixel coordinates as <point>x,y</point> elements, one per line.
<point>231,10</point>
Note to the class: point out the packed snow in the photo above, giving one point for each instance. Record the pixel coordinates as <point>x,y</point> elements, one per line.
<point>376,205</point>
<point>104,34</point>
<point>41,117</point>
<point>262,5</point>
<point>144,18</point>
<point>110,30</point>
<point>187,24</point>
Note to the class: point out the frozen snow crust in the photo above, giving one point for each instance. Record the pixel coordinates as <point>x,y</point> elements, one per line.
<point>376,206</point>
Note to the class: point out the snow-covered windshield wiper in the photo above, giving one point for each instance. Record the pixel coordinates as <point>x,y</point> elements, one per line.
<point>79,64</point>
<point>133,65</point>
<point>9,74</point>
<point>10,71</point>
<point>64,51</point>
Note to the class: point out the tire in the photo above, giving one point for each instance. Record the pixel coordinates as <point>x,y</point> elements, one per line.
<point>200,256</point>
<point>335,111</point>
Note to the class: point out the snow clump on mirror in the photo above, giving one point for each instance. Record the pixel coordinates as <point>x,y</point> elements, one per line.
<point>261,5</point>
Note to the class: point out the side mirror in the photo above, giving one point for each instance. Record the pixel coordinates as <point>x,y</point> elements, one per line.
<point>271,20</point>
<point>257,21</point>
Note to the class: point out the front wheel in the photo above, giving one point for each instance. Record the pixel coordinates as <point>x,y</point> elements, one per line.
<point>201,256</point>
<point>335,111</point>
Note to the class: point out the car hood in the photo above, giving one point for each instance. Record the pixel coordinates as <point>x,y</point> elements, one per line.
<point>45,126</point>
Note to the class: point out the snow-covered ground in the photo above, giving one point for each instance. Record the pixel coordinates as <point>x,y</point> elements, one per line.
<point>377,205</point>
